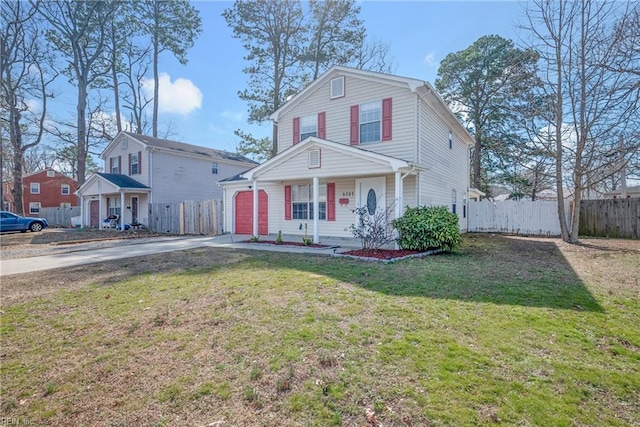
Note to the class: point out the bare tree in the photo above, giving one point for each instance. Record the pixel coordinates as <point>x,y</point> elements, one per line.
<point>137,64</point>
<point>590,105</point>
<point>79,33</point>
<point>374,55</point>
<point>26,75</point>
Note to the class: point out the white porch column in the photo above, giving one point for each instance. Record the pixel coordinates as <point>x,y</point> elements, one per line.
<point>398,194</point>
<point>255,208</point>
<point>316,209</point>
<point>81,213</point>
<point>122,210</point>
<point>100,220</point>
<point>398,198</point>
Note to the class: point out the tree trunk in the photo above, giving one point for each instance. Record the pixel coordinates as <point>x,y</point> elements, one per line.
<point>116,89</point>
<point>477,157</point>
<point>156,84</point>
<point>82,130</point>
<point>18,159</point>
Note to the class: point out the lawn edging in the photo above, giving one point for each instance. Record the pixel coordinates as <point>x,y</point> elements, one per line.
<point>389,260</point>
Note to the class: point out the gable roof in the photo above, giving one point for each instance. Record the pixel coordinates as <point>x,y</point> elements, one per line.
<point>393,163</point>
<point>121,181</point>
<point>420,87</point>
<point>182,148</point>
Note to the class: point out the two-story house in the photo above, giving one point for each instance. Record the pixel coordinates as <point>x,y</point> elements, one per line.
<point>140,170</point>
<point>44,189</point>
<point>350,139</point>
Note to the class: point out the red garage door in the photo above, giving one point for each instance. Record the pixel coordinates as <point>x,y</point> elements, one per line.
<point>244,212</point>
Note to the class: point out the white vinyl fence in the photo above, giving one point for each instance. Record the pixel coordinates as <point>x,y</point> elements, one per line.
<point>537,218</point>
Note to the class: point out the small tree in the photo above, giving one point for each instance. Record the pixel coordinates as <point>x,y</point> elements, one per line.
<point>374,231</point>
<point>422,228</point>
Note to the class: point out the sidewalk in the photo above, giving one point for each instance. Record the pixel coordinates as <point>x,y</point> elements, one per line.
<point>118,251</point>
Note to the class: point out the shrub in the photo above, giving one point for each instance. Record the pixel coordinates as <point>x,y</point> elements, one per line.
<point>279,238</point>
<point>424,228</point>
<point>374,231</point>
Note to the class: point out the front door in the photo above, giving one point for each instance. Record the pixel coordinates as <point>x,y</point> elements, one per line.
<point>94,213</point>
<point>371,193</point>
<point>134,210</point>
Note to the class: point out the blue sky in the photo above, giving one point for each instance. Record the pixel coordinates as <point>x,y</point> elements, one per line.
<point>420,34</point>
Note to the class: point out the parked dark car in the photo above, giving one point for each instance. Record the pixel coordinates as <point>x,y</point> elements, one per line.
<point>12,222</point>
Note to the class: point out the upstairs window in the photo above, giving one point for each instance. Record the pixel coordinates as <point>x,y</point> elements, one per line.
<point>214,168</point>
<point>370,122</point>
<point>337,87</point>
<point>114,164</point>
<point>134,164</point>
<point>65,190</point>
<point>35,188</point>
<point>308,127</point>
<point>450,140</point>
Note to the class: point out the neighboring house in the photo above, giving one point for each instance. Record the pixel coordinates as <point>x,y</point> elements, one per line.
<point>140,170</point>
<point>44,189</point>
<point>353,138</point>
<point>617,194</point>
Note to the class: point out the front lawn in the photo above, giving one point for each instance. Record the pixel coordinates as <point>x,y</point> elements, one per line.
<point>507,330</point>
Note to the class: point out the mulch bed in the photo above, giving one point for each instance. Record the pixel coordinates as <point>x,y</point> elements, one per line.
<point>273,242</point>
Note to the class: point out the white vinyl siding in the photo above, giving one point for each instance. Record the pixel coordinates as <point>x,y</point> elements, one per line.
<point>403,144</point>
<point>447,169</point>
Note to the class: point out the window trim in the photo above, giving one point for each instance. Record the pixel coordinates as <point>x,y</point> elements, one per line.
<point>332,95</point>
<point>136,164</point>
<point>361,122</point>
<point>310,122</point>
<point>37,187</point>
<point>62,188</point>
<point>113,161</point>
<point>33,205</point>
<point>308,209</point>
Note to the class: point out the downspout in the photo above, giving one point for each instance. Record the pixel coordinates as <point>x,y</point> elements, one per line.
<point>418,115</point>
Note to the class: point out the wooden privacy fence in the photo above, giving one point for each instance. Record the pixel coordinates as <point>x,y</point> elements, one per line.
<point>525,217</point>
<point>188,217</point>
<point>58,217</point>
<point>610,218</point>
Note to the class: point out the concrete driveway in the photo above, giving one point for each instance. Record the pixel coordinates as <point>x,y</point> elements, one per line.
<point>91,256</point>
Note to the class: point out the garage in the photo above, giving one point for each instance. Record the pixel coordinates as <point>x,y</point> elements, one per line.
<point>244,212</point>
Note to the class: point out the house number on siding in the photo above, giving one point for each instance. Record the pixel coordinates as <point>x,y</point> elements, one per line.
<point>347,194</point>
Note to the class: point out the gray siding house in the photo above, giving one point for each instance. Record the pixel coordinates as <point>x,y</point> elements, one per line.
<point>140,170</point>
<point>353,138</point>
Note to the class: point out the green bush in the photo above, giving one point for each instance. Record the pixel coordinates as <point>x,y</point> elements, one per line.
<point>423,228</point>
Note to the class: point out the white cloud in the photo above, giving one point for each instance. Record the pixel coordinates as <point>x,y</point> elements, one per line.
<point>33,105</point>
<point>181,96</point>
<point>430,59</point>
<point>235,117</point>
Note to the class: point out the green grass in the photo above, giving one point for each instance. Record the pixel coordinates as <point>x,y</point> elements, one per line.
<point>511,331</point>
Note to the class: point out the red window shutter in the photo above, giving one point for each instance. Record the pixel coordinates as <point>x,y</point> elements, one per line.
<point>355,124</point>
<point>331,201</point>
<point>139,162</point>
<point>322,125</point>
<point>129,164</point>
<point>386,119</point>
<point>120,165</point>
<point>287,202</point>
<point>296,130</point>
<point>110,164</point>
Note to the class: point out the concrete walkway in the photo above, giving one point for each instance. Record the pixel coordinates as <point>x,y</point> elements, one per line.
<point>129,249</point>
